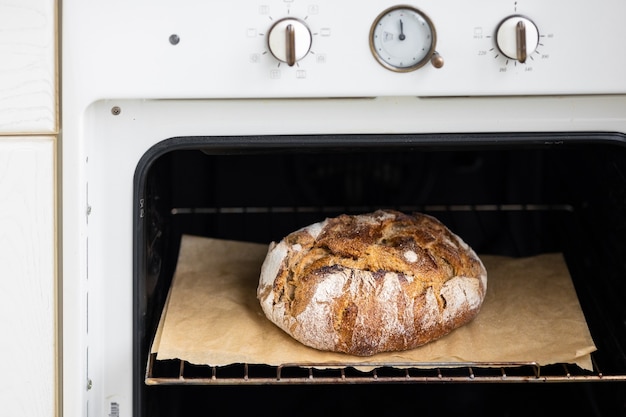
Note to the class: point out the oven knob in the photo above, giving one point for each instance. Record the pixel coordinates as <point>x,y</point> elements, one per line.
<point>289,40</point>
<point>517,37</point>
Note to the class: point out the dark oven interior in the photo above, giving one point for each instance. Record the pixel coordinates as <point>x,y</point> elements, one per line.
<point>514,195</point>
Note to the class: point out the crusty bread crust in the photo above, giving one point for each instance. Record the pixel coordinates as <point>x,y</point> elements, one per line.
<point>376,282</point>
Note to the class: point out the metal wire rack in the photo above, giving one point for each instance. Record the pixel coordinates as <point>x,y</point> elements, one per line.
<point>176,372</point>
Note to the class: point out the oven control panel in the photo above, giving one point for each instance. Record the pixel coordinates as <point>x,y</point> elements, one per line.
<point>327,48</point>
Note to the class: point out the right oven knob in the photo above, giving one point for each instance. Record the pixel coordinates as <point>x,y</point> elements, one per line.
<point>517,37</point>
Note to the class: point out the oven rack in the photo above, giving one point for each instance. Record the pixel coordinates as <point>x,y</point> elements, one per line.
<point>177,372</point>
<point>513,207</point>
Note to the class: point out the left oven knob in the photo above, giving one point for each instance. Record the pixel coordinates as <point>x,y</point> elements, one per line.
<point>289,40</point>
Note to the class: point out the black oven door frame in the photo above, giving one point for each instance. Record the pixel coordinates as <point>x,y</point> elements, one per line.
<point>149,236</point>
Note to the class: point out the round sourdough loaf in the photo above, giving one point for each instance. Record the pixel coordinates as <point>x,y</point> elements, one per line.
<point>369,283</point>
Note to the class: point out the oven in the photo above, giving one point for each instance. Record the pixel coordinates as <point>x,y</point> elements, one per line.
<point>244,121</point>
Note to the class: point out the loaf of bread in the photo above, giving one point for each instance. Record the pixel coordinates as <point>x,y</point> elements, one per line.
<point>369,283</point>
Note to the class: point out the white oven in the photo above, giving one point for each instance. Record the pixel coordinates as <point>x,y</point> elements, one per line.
<point>432,82</point>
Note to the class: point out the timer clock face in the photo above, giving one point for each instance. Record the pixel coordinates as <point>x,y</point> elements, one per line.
<point>402,39</point>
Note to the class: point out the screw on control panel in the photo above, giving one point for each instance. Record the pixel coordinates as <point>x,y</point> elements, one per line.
<point>174,39</point>
<point>116,110</point>
<point>89,384</point>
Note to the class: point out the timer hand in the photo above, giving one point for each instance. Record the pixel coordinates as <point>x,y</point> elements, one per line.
<point>401,37</point>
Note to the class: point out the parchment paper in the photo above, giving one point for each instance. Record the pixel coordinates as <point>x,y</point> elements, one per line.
<point>531,314</point>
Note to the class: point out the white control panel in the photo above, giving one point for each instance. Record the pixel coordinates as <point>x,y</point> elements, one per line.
<point>349,48</point>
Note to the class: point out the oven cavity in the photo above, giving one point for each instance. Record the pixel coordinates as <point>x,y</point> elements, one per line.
<point>502,199</point>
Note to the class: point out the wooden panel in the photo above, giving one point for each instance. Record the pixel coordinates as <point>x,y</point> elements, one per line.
<point>27,276</point>
<point>28,87</point>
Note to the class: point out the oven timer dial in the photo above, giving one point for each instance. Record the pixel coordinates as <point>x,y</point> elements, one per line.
<point>289,40</point>
<point>403,39</point>
<point>517,37</point>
